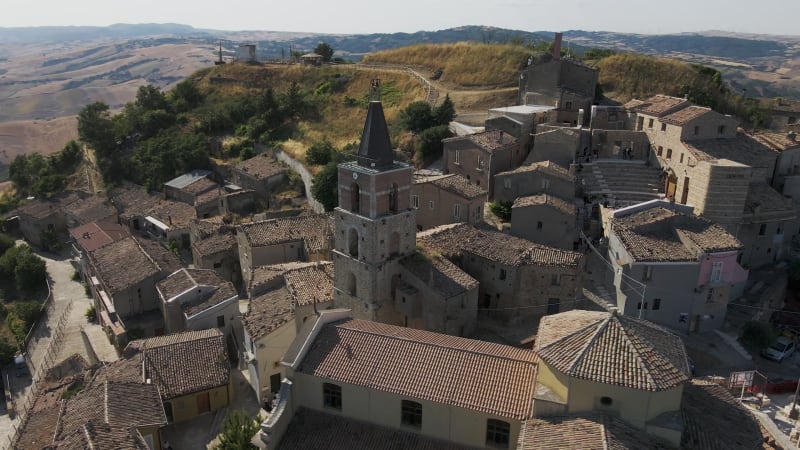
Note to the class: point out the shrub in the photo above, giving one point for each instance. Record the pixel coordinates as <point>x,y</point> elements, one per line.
<point>325,187</point>
<point>501,210</point>
<point>320,153</point>
<point>90,314</point>
<point>430,144</point>
<point>76,275</point>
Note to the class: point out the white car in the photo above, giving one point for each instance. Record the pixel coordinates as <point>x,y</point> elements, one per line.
<point>780,350</point>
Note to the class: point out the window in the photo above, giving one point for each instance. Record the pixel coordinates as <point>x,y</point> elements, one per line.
<point>457,211</point>
<point>553,305</point>
<point>762,230</point>
<point>779,230</point>
<point>639,305</point>
<point>332,396</point>
<point>647,274</point>
<point>480,163</point>
<point>393,197</point>
<point>457,157</point>
<point>696,130</point>
<point>721,129</point>
<point>716,272</point>
<point>415,201</point>
<point>660,150</point>
<point>539,225</point>
<point>555,279</point>
<point>656,304</point>
<point>545,184</point>
<point>791,120</point>
<point>650,123</point>
<point>430,204</point>
<point>355,199</point>
<point>507,183</point>
<point>681,157</point>
<point>411,413</point>
<point>639,123</point>
<point>497,433</point>
<point>606,401</point>
<point>569,105</point>
<point>663,127</point>
<point>220,321</point>
<point>502,274</point>
<point>669,153</point>
<point>612,116</point>
<point>478,213</point>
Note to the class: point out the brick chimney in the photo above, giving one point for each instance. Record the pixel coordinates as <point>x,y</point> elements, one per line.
<point>557,46</point>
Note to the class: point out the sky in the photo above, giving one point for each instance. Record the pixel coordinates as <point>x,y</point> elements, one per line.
<point>363,16</point>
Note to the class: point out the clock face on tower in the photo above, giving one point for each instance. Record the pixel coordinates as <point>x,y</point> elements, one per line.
<point>355,175</point>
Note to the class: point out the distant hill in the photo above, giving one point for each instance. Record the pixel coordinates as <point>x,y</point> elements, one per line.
<point>30,35</point>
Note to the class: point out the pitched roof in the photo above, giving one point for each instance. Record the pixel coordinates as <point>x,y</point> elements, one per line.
<point>261,166</point>
<point>547,167</point>
<point>660,234</point>
<point>181,363</point>
<point>777,141</point>
<point>90,209</point>
<point>613,349</point>
<point>166,260</point>
<point>214,237</point>
<point>122,264</point>
<point>267,312</point>
<point>40,208</point>
<point>439,273</point>
<point>174,214</point>
<point>188,178</point>
<point>316,230</point>
<point>315,430</point>
<point>459,185</point>
<point>375,150</point>
<point>267,277</point>
<point>657,105</point>
<point>488,140</point>
<point>94,235</point>
<point>762,199</point>
<point>133,200</point>
<point>453,240</point>
<point>99,435</point>
<point>584,432</point>
<point>563,206</point>
<point>119,405</point>
<point>185,279</point>
<point>683,116</point>
<point>743,149</point>
<point>311,284</point>
<point>481,376</point>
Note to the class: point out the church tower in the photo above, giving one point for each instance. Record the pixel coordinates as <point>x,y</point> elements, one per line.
<point>375,223</point>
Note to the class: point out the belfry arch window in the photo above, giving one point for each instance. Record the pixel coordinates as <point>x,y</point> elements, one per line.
<point>355,199</point>
<point>352,242</point>
<point>393,192</point>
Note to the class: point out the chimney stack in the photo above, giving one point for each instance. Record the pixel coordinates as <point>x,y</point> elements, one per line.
<point>557,47</point>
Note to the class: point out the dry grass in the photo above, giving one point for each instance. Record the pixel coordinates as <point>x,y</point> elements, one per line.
<point>465,64</point>
<point>626,76</point>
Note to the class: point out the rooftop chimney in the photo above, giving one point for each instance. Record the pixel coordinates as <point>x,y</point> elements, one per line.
<point>557,47</point>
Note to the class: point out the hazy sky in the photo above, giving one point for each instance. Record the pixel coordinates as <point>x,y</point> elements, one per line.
<point>361,16</point>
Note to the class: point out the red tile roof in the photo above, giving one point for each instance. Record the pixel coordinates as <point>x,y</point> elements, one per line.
<point>94,235</point>
<point>584,432</point>
<point>613,349</point>
<point>482,376</point>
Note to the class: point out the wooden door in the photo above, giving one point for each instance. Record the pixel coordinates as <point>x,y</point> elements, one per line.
<point>203,403</point>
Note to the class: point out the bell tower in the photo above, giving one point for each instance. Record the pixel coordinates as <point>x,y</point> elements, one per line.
<point>375,223</point>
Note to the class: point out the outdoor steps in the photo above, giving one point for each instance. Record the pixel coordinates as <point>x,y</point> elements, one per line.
<point>627,181</point>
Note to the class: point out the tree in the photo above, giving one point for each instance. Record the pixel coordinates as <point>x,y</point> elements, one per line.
<point>416,117</point>
<point>325,187</point>
<point>324,50</point>
<point>430,144</point>
<point>30,272</point>
<point>446,112</point>
<point>320,153</point>
<point>185,96</point>
<point>96,128</point>
<point>150,98</point>
<point>238,431</point>
<point>6,242</point>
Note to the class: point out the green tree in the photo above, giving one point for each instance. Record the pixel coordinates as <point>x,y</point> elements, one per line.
<point>7,351</point>
<point>324,50</point>
<point>430,144</point>
<point>445,112</point>
<point>150,98</point>
<point>325,187</point>
<point>30,272</point>
<point>320,153</point>
<point>416,117</point>
<point>238,431</point>
<point>501,210</point>
<point>185,96</point>
<point>6,242</point>
<point>96,128</point>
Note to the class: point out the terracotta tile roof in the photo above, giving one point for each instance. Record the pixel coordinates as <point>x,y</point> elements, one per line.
<point>613,349</point>
<point>133,200</point>
<point>481,376</point>
<point>683,116</point>
<point>584,432</point>
<point>488,140</point>
<point>267,312</point>
<point>563,206</point>
<point>215,237</point>
<point>165,259</point>
<point>315,230</point>
<point>660,234</point>
<point>261,166</point>
<point>777,141</point>
<point>91,209</point>
<point>714,420</point>
<point>763,199</point>
<point>454,240</point>
<point>547,167</point>
<point>743,149</point>
<point>185,279</point>
<point>656,105</point>
<point>94,235</point>
<point>264,277</point>
<point>102,436</point>
<point>176,215</point>
<point>311,284</point>
<point>41,208</point>
<point>315,430</point>
<point>123,264</point>
<point>439,273</point>
<point>183,363</point>
<point>459,185</point>
<point>118,405</point>
<point>127,369</point>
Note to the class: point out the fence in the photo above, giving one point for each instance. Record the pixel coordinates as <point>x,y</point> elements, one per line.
<point>431,93</point>
<point>24,403</point>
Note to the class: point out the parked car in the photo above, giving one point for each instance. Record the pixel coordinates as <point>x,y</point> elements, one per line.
<point>780,350</point>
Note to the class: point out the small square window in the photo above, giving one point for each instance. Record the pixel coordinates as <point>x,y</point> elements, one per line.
<point>220,321</point>
<point>332,396</point>
<point>497,433</point>
<point>411,414</point>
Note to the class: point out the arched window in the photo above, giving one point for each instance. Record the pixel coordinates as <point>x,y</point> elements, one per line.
<point>393,197</point>
<point>355,199</point>
<point>352,242</point>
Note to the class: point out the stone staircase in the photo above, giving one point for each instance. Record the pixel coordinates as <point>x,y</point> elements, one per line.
<point>620,181</point>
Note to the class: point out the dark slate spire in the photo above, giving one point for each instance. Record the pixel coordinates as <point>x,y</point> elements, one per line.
<point>375,150</point>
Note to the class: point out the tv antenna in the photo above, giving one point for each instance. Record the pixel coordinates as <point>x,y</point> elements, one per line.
<point>219,62</point>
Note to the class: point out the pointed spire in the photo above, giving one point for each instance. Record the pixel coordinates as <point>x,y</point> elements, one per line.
<point>375,150</point>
